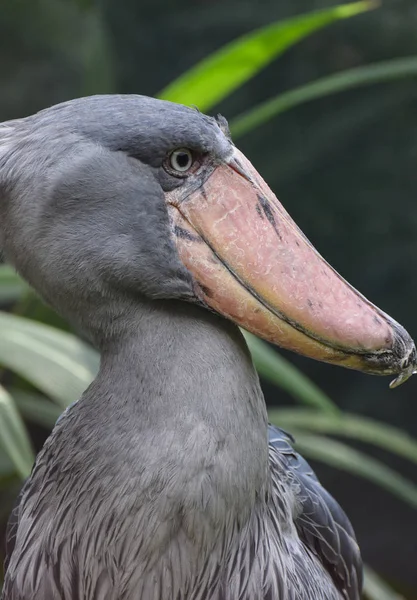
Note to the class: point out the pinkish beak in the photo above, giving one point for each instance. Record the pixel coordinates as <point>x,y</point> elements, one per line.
<point>253,265</point>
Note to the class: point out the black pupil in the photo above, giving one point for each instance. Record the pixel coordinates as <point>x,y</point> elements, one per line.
<point>183,160</point>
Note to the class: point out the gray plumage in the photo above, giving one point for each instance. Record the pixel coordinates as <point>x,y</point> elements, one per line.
<point>159,483</point>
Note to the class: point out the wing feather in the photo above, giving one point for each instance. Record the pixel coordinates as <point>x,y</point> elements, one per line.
<point>321,523</point>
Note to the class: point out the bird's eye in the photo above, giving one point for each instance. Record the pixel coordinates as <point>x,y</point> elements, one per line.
<point>181,160</point>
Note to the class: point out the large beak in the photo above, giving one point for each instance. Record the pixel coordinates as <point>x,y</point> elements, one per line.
<point>252,264</point>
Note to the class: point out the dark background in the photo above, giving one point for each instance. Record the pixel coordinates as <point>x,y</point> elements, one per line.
<point>345,167</point>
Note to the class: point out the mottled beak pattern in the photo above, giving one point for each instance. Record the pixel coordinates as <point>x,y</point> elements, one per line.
<point>253,265</point>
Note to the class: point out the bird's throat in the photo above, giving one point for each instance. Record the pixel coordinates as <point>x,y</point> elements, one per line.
<point>183,413</point>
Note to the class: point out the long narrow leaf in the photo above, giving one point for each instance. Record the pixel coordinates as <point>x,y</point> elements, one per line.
<point>12,286</point>
<point>282,373</point>
<point>54,361</point>
<point>13,436</point>
<point>343,457</point>
<point>36,408</point>
<point>217,76</point>
<point>353,78</point>
<point>348,425</point>
<point>58,340</point>
<point>375,588</point>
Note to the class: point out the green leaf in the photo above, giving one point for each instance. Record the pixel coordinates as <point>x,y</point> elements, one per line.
<point>282,373</point>
<point>12,287</point>
<point>370,74</point>
<point>13,436</point>
<point>375,588</point>
<point>36,408</point>
<point>343,457</point>
<point>218,75</point>
<point>348,425</point>
<point>56,362</point>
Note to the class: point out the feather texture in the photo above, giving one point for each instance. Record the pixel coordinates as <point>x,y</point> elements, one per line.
<point>297,544</point>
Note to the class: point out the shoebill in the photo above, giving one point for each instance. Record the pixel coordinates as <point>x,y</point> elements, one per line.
<point>140,221</point>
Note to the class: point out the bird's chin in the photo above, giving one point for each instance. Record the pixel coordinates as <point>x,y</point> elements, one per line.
<point>253,265</point>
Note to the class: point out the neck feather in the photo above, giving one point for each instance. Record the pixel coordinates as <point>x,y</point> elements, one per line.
<point>176,410</point>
